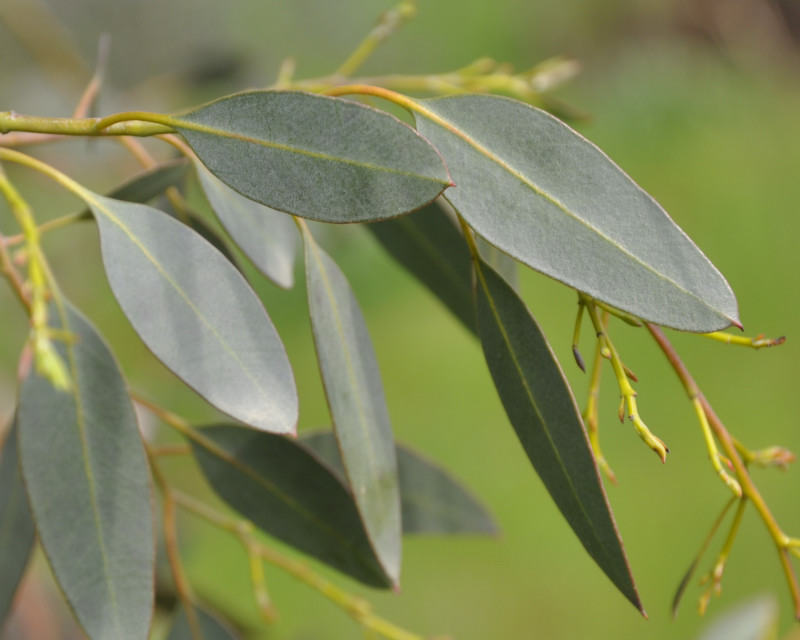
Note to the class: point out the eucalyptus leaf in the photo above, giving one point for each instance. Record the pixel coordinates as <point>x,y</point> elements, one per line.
<point>355,396</point>
<point>87,478</point>
<point>285,491</point>
<point>210,627</point>
<point>266,236</point>
<point>756,619</point>
<point>17,533</point>
<point>546,196</point>
<point>314,156</point>
<point>432,502</point>
<point>196,313</point>
<point>429,244</point>
<point>542,410</point>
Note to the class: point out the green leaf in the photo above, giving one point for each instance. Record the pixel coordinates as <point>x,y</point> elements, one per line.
<point>17,533</point>
<point>546,196</point>
<point>432,502</point>
<point>314,156</point>
<point>429,244</point>
<point>210,627</point>
<point>266,236</point>
<point>86,473</point>
<point>196,313</point>
<point>355,396</point>
<point>288,493</point>
<point>542,411</point>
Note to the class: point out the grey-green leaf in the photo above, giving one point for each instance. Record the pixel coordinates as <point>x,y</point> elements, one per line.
<point>542,410</point>
<point>756,619</point>
<point>545,195</point>
<point>429,244</point>
<point>210,627</point>
<point>17,533</point>
<point>314,156</point>
<point>266,236</point>
<point>432,502</point>
<point>87,478</point>
<point>196,313</point>
<point>288,493</point>
<point>355,396</point>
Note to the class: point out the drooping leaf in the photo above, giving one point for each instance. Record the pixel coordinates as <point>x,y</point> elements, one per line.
<point>355,396</point>
<point>546,196</point>
<point>150,183</point>
<point>87,479</point>
<point>196,313</point>
<point>266,236</point>
<point>542,410</point>
<point>501,262</point>
<point>432,502</point>
<point>210,627</point>
<point>288,493</point>
<point>314,156</point>
<point>429,244</point>
<point>17,533</point>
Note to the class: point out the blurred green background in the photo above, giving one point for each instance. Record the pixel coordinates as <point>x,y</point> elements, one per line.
<point>699,101</point>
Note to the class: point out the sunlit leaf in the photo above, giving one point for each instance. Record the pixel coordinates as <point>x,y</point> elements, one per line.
<point>546,196</point>
<point>196,313</point>
<point>432,502</point>
<point>429,244</point>
<point>87,478</point>
<point>267,237</point>
<point>285,491</point>
<point>542,411</point>
<point>314,156</point>
<point>753,620</point>
<point>210,627</point>
<point>355,396</point>
<point>17,533</point>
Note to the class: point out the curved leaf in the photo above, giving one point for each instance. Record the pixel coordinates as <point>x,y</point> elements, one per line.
<point>17,533</point>
<point>354,391</point>
<point>196,313</point>
<point>542,411</point>
<point>266,236</point>
<point>210,627</point>
<point>314,156</point>
<point>284,490</point>
<point>429,244</point>
<point>431,501</point>
<point>87,478</point>
<point>548,197</point>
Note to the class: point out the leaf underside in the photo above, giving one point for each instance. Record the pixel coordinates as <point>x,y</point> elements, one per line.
<point>545,195</point>
<point>542,410</point>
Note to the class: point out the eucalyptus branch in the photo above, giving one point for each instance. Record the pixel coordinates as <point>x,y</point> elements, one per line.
<point>759,342</point>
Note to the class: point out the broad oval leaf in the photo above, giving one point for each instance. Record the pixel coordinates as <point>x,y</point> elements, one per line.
<point>432,502</point>
<point>542,410</point>
<point>266,236</point>
<point>210,627</point>
<point>545,195</point>
<point>17,533</point>
<point>314,156</point>
<point>289,494</point>
<point>86,473</point>
<point>196,313</point>
<point>429,244</point>
<point>355,396</point>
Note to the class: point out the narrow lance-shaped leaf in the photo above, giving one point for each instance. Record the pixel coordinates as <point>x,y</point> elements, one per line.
<point>210,627</point>
<point>355,396</point>
<point>542,410</point>
<point>314,156</point>
<point>284,490</point>
<point>17,533</point>
<point>429,244</point>
<point>196,313</point>
<point>545,195</point>
<point>432,502</point>
<point>87,478</point>
<point>267,237</point>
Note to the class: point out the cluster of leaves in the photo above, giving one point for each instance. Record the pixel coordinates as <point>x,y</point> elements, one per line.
<point>479,173</point>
